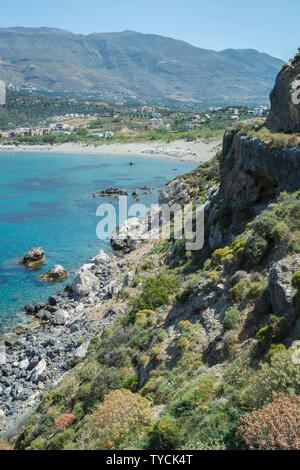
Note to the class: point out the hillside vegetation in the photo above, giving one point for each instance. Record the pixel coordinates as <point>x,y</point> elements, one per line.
<point>202,357</point>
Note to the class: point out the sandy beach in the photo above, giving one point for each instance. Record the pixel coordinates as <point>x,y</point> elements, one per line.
<point>177,150</point>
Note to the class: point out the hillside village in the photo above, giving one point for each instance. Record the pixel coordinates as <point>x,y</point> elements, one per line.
<point>122,122</point>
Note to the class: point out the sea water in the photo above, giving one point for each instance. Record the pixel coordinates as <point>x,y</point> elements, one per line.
<point>46,200</point>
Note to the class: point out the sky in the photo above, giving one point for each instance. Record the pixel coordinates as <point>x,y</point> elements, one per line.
<point>270,26</point>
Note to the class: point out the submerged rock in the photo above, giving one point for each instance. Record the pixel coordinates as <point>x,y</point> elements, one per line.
<point>56,274</point>
<point>34,258</point>
<point>111,192</point>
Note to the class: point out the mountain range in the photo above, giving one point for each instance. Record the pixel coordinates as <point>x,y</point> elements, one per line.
<point>133,65</point>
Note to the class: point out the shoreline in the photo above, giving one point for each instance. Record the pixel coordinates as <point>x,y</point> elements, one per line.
<point>59,333</point>
<point>35,357</point>
<point>177,150</point>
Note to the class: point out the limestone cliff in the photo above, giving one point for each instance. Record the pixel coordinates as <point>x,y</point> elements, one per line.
<point>285,102</point>
<point>252,173</point>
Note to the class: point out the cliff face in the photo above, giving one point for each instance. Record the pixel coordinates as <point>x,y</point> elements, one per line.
<point>285,103</point>
<point>253,174</point>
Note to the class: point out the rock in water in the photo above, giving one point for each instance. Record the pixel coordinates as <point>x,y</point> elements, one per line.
<point>284,115</point>
<point>85,283</point>
<point>111,192</point>
<point>34,258</point>
<point>56,274</point>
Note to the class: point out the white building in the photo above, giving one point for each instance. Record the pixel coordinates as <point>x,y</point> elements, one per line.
<point>258,111</point>
<point>232,111</point>
<point>156,122</point>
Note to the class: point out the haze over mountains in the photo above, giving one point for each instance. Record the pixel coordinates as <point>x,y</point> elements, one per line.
<point>131,64</point>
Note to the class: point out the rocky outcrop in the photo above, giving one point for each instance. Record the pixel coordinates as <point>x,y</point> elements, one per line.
<point>101,259</point>
<point>34,258</point>
<point>251,174</point>
<point>174,192</point>
<point>129,235</point>
<point>56,274</point>
<point>280,285</point>
<point>85,282</point>
<point>285,99</point>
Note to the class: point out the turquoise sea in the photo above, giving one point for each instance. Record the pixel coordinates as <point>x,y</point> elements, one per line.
<point>46,200</point>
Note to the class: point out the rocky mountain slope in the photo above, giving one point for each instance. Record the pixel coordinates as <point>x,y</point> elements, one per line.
<point>202,347</point>
<point>285,99</point>
<point>129,63</point>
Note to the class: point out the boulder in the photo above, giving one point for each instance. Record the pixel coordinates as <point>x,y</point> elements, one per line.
<point>280,284</point>
<point>239,276</point>
<point>9,339</point>
<point>112,288</point>
<point>56,274</point>
<point>37,374</point>
<point>284,115</point>
<point>2,353</point>
<point>34,258</point>
<point>101,258</point>
<point>23,364</point>
<point>60,318</point>
<point>81,351</point>
<point>128,279</point>
<point>85,283</point>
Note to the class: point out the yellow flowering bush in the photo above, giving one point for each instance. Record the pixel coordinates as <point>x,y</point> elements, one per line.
<point>121,414</point>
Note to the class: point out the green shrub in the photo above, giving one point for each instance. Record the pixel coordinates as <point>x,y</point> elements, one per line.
<point>220,255</point>
<point>275,349</point>
<point>164,435</point>
<point>231,317</point>
<point>296,280</point>
<point>280,375</point>
<point>60,439</point>
<point>255,250</point>
<point>132,383</point>
<point>264,335</point>
<point>214,276</point>
<point>156,293</point>
<point>37,444</point>
<point>238,291</point>
<point>279,231</point>
<point>255,290</point>
<point>107,379</point>
<point>265,224</point>
<point>144,318</point>
<point>88,371</point>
